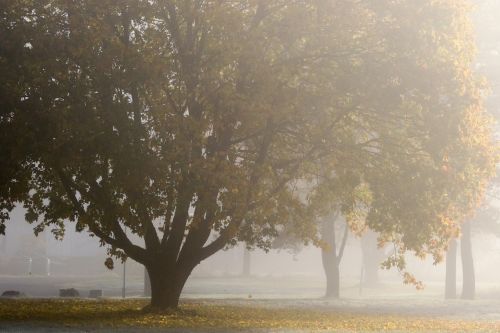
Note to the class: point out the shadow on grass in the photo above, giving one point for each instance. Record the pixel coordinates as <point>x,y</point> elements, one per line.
<point>91,313</point>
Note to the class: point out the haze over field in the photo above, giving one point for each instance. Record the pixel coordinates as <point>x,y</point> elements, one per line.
<point>336,157</point>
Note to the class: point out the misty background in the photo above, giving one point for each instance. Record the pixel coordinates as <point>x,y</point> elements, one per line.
<point>40,266</point>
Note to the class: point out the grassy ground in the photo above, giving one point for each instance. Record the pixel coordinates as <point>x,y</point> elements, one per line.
<point>216,315</point>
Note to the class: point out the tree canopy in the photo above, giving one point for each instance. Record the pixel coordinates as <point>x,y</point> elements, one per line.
<point>195,124</point>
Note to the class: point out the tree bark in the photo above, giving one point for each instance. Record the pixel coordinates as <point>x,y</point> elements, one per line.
<point>469,281</point>
<point>330,258</point>
<point>147,284</point>
<point>450,286</point>
<point>332,273</point>
<point>166,286</point>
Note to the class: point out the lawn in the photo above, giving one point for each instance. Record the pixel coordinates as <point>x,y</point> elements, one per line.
<point>200,315</point>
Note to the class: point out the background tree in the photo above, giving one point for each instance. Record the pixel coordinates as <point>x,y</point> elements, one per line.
<point>486,218</point>
<point>469,278</point>
<point>373,257</point>
<point>414,170</point>
<point>332,253</point>
<point>450,284</point>
<point>450,165</point>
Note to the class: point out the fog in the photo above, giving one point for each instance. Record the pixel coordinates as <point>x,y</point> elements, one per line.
<point>42,266</point>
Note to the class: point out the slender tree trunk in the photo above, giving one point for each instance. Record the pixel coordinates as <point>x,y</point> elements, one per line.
<point>329,260</point>
<point>371,267</point>
<point>246,262</point>
<point>332,273</point>
<point>450,286</point>
<point>469,281</point>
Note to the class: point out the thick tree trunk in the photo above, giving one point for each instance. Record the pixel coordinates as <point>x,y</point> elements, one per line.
<point>166,286</point>
<point>469,281</point>
<point>450,286</point>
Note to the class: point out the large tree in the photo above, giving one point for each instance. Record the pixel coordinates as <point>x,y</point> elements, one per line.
<point>429,149</point>
<point>193,124</point>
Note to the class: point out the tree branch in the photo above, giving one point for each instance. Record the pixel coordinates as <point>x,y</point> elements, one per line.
<point>121,241</point>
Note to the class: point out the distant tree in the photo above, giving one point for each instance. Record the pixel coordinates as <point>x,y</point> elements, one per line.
<point>332,253</point>
<point>192,123</point>
<point>402,190</point>
<point>469,278</point>
<point>450,284</point>
<point>443,171</point>
<point>373,257</point>
<point>485,220</point>
<point>487,217</point>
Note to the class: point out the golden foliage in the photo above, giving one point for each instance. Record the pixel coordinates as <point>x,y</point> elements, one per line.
<point>211,314</point>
